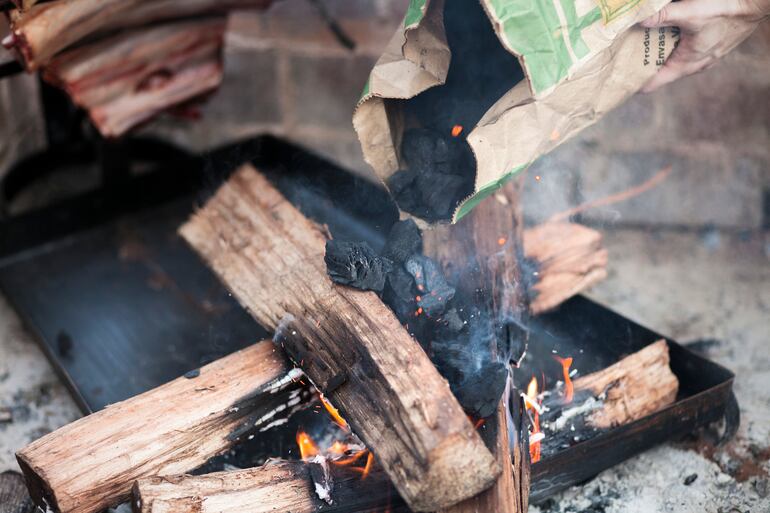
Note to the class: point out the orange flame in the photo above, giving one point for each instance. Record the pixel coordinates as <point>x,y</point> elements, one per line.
<point>334,413</point>
<point>307,448</point>
<point>457,130</point>
<point>351,459</point>
<point>534,446</point>
<point>369,464</point>
<point>569,390</point>
<point>338,448</point>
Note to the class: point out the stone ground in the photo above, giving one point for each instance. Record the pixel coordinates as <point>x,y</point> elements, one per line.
<point>704,285</point>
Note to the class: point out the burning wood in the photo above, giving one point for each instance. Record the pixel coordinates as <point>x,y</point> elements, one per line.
<point>48,28</point>
<point>348,343</point>
<point>92,463</point>
<point>124,80</point>
<point>629,390</point>
<point>567,258</point>
<point>297,486</point>
<point>482,253</point>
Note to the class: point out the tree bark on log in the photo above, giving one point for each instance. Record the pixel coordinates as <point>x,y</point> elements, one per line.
<point>347,341</point>
<point>568,258</point>
<point>92,463</point>
<point>634,387</point>
<point>276,486</point>
<point>48,28</point>
<point>482,255</point>
<point>124,80</point>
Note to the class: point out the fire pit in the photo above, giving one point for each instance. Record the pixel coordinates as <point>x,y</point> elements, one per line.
<point>165,288</point>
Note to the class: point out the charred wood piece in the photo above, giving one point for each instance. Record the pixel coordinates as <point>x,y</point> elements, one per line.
<point>356,264</point>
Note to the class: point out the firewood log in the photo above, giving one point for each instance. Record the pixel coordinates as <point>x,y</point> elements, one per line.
<point>634,387</point>
<point>92,463</point>
<point>483,254</point>
<point>298,486</point>
<point>124,80</point>
<point>48,28</point>
<point>568,258</point>
<point>277,486</point>
<point>347,341</point>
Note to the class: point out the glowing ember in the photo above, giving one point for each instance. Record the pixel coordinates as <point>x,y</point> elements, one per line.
<point>535,435</point>
<point>457,130</point>
<point>351,459</point>
<point>334,413</point>
<point>569,391</point>
<point>307,448</point>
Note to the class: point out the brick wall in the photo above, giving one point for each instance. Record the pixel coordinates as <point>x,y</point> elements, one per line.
<point>21,122</point>
<point>712,128</point>
<point>286,74</point>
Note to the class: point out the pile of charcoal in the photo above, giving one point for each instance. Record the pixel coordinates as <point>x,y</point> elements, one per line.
<point>438,175</point>
<point>456,334</point>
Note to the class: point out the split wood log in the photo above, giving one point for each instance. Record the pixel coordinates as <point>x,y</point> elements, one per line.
<point>347,341</point>
<point>92,463</point>
<point>124,80</point>
<point>628,390</point>
<point>511,491</point>
<point>568,258</point>
<point>48,28</point>
<point>295,486</point>
<point>483,254</point>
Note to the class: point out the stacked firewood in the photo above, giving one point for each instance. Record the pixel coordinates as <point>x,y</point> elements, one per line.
<point>124,61</point>
<point>348,345</point>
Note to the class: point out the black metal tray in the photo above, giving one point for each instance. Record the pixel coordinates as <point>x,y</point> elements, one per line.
<point>120,304</point>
